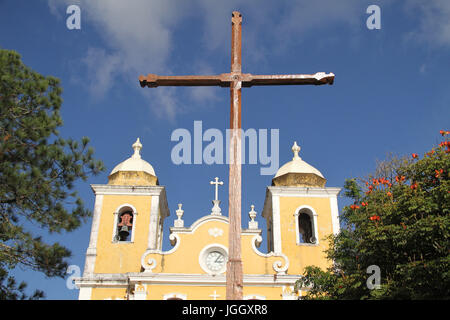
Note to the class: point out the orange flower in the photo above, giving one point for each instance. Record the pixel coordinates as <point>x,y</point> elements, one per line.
<point>444,133</point>
<point>364,204</point>
<point>389,194</point>
<point>414,155</point>
<point>374,217</point>
<point>430,153</point>
<point>400,178</point>
<point>414,186</point>
<point>438,173</point>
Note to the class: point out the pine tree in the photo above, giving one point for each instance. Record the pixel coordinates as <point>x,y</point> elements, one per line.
<point>38,170</point>
<point>399,222</point>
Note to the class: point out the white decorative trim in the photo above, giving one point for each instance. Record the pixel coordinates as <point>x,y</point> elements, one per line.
<point>175,295</point>
<point>313,214</point>
<point>277,265</point>
<point>334,215</point>
<point>140,291</point>
<point>206,219</point>
<point>252,224</point>
<point>288,293</point>
<point>174,240</point>
<point>200,222</point>
<point>126,205</point>
<point>215,232</point>
<point>179,223</point>
<point>150,264</point>
<point>256,242</point>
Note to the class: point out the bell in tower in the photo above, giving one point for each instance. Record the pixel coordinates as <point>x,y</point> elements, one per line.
<point>125,226</point>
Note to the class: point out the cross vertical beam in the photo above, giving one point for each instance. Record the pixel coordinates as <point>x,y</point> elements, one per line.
<point>234,274</point>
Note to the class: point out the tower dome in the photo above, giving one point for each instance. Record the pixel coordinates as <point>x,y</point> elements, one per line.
<point>298,173</point>
<point>134,170</point>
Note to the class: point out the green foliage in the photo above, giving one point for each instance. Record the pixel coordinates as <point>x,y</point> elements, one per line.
<point>38,170</point>
<point>400,222</point>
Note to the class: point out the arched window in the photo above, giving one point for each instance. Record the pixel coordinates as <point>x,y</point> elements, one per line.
<point>124,221</point>
<point>175,296</point>
<point>254,297</point>
<point>306,223</point>
<point>305,228</point>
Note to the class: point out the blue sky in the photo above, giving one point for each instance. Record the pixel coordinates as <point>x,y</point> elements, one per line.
<point>391,92</point>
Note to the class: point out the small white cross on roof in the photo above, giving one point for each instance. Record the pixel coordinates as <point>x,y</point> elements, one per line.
<point>217,183</point>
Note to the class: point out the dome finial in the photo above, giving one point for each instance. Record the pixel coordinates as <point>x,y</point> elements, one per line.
<point>295,150</point>
<point>137,146</point>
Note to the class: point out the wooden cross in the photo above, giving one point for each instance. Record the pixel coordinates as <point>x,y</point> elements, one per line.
<point>235,80</point>
<point>217,183</point>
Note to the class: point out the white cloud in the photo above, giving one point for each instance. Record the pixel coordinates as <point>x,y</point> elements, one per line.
<point>102,68</point>
<point>433,22</point>
<point>138,37</point>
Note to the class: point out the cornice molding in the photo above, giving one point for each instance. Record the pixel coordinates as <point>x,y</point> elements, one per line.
<point>123,280</point>
<point>303,191</point>
<point>105,189</point>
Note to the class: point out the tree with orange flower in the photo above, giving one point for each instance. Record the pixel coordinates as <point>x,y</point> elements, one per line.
<point>399,221</point>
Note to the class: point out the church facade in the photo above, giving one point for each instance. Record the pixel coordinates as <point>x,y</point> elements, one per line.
<point>125,259</point>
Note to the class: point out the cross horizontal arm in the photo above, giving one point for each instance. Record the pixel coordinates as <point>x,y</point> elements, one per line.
<point>153,81</point>
<point>247,80</point>
<point>290,79</point>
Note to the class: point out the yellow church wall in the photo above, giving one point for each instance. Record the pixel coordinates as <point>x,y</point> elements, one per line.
<point>185,257</point>
<point>120,257</point>
<point>159,292</point>
<point>108,293</point>
<point>302,255</point>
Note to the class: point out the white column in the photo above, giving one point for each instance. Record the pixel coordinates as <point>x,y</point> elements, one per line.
<point>91,252</point>
<point>85,293</point>
<point>334,214</point>
<point>276,224</point>
<point>153,227</point>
